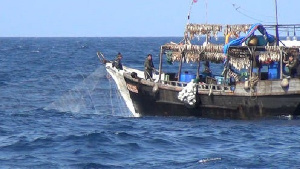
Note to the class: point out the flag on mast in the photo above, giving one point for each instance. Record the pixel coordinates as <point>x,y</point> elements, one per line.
<point>195,1</point>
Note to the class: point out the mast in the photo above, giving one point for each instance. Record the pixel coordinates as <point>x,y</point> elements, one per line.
<point>277,42</point>
<point>160,63</point>
<point>276,27</point>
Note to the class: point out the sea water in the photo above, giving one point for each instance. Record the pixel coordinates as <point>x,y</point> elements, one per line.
<point>60,109</point>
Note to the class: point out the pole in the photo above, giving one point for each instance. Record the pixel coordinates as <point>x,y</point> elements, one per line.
<point>198,69</point>
<point>180,66</point>
<point>276,27</point>
<point>160,63</point>
<point>205,11</point>
<point>280,64</point>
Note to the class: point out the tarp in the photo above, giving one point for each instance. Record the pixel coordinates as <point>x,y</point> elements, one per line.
<point>251,31</point>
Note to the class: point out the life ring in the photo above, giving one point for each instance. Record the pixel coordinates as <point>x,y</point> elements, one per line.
<point>229,35</point>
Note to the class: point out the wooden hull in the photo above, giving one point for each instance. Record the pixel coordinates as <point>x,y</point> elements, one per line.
<point>153,99</point>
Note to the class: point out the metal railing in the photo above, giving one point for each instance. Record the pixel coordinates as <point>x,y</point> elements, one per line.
<point>201,86</point>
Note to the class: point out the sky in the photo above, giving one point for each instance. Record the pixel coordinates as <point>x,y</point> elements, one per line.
<point>133,18</point>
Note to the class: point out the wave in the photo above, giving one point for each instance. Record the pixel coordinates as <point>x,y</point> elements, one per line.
<point>96,137</point>
<point>95,165</point>
<point>206,160</point>
<point>24,144</point>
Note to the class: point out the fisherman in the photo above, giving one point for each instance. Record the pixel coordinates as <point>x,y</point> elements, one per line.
<point>117,63</point>
<point>149,67</point>
<point>292,64</point>
<point>207,71</point>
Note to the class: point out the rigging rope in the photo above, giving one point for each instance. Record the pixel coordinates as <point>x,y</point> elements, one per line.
<point>110,93</point>
<point>237,9</point>
<point>193,1</point>
<point>206,9</point>
<point>244,12</point>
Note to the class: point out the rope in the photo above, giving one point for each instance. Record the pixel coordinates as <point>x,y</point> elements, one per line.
<point>243,12</point>
<point>237,9</point>
<point>90,96</point>
<point>151,79</point>
<point>110,93</point>
<point>189,13</point>
<point>102,58</point>
<point>210,88</point>
<point>119,101</point>
<point>253,81</point>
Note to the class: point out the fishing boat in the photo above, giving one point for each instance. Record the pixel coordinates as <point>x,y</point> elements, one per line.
<point>254,83</point>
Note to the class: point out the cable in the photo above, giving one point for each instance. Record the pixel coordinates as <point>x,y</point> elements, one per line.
<point>237,9</point>
<point>111,102</point>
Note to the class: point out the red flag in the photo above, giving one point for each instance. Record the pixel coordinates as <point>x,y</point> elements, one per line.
<point>195,1</point>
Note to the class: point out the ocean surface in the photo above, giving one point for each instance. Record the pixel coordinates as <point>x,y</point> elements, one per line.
<point>59,109</point>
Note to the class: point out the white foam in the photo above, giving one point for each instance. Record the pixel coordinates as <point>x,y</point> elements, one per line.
<point>206,160</point>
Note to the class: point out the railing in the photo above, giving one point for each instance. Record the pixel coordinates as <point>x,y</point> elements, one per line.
<point>213,87</point>
<point>174,83</point>
<point>201,86</point>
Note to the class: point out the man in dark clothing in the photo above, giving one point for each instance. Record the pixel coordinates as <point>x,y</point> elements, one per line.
<point>149,67</point>
<point>292,65</point>
<point>117,63</point>
<point>207,70</point>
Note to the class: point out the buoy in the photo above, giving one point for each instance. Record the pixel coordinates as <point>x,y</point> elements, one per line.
<point>155,88</point>
<point>252,41</point>
<point>284,83</point>
<point>246,87</point>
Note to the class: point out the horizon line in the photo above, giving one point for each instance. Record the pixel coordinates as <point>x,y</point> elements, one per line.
<point>87,36</point>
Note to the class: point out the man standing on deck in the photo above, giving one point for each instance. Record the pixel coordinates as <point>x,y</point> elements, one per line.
<point>149,67</point>
<point>292,65</point>
<point>117,63</point>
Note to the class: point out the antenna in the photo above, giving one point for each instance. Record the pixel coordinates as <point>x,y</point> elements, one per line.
<point>206,11</point>
<point>276,28</point>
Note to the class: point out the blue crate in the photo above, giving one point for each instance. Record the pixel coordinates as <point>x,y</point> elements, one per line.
<point>273,72</point>
<point>187,77</point>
